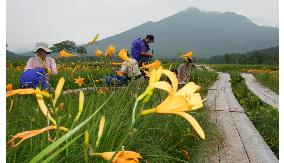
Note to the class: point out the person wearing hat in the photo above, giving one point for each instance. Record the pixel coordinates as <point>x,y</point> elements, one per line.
<point>184,69</point>
<point>33,74</point>
<point>41,60</point>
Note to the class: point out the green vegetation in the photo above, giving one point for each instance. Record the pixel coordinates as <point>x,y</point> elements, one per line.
<point>270,81</point>
<point>264,117</point>
<point>158,138</point>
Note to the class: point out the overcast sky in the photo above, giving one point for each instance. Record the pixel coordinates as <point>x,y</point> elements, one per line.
<point>52,21</point>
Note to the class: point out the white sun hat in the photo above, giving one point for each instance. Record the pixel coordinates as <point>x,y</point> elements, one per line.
<point>42,45</point>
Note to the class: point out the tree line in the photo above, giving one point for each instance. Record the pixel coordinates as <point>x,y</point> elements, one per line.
<point>263,56</point>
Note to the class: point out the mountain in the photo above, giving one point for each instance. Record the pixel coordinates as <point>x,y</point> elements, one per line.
<point>12,55</point>
<point>205,33</point>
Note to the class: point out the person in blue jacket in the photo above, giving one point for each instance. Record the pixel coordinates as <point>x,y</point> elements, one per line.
<point>33,78</point>
<point>140,49</point>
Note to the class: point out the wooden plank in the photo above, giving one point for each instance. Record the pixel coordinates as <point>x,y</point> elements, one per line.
<point>256,148</point>
<point>232,150</point>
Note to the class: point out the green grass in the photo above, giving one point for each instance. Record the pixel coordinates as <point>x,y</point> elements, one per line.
<point>158,138</point>
<point>268,81</point>
<point>264,117</point>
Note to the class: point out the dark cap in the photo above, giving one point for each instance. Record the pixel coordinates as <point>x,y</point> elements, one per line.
<point>150,37</point>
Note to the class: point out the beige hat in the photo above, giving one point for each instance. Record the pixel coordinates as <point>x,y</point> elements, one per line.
<point>42,45</point>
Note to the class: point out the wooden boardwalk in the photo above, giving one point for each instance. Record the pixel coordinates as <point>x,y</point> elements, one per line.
<point>242,142</point>
<point>265,94</point>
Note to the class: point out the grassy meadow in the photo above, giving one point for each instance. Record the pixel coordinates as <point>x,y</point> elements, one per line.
<point>157,137</point>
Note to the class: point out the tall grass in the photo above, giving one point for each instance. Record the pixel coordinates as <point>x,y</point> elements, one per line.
<point>158,138</point>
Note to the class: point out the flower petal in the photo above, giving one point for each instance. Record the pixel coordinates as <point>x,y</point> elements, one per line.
<point>193,122</point>
<point>195,101</point>
<point>163,85</point>
<point>188,89</point>
<point>173,104</point>
<point>172,77</point>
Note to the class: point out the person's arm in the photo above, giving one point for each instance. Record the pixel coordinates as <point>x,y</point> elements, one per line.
<point>53,67</point>
<point>29,64</point>
<point>146,54</point>
<point>144,51</point>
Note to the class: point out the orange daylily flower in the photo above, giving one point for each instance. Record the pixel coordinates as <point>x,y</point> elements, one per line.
<point>9,87</point>
<point>120,157</point>
<point>64,54</point>
<point>101,129</point>
<point>178,101</point>
<point>43,107</point>
<point>149,67</point>
<point>110,51</point>
<point>187,55</point>
<point>94,40</point>
<point>79,81</point>
<point>116,63</point>
<point>123,54</point>
<point>28,134</point>
<point>119,73</point>
<point>99,81</point>
<point>102,90</point>
<point>27,91</point>
<point>153,65</point>
<point>98,53</point>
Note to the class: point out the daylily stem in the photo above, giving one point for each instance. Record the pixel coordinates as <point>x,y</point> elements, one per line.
<point>148,111</point>
<point>95,154</point>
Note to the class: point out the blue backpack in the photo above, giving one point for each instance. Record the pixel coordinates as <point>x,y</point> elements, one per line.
<point>136,49</point>
<point>116,80</point>
<point>32,77</point>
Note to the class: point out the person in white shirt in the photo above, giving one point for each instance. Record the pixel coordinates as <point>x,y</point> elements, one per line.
<point>131,69</point>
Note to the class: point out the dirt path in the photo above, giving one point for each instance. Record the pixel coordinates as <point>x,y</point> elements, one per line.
<point>242,142</point>
<point>265,94</point>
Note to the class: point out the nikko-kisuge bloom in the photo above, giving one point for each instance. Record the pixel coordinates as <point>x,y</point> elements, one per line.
<point>44,109</point>
<point>178,101</point>
<point>64,54</point>
<point>79,81</point>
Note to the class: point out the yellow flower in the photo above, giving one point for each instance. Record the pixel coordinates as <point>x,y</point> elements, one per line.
<point>153,65</point>
<point>27,91</point>
<point>178,101</point>
<point>81,105</point>
<point>102,90</point>
<point>58,90</point>
<point>98,53</point>
<point>155,76</point>
<point>110,51</point>
<point>149,67</point>
<point>64,54</point>
<point>87,138</point>
<point>43,107</point>
<point>28,134</point>
<point>9,87</point>
<point>123,54</point>
<point>94,40</point>
<point>187,55</point>
<point>79,81</point>
<point>120,157</point>
<point>119,73</point>
<point>101,129</point>
<point>99,81</point>
<point>116,63</point>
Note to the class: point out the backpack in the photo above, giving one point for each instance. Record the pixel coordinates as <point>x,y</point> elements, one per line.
<point>136,49</point>
<point>114,80</point>
<point>32,77</point>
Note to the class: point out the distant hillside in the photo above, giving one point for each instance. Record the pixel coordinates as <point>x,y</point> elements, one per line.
<point>263,56</point>
<point>205,33</point>
<point>14,56</point>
